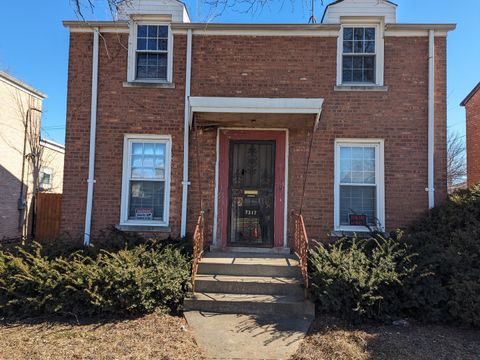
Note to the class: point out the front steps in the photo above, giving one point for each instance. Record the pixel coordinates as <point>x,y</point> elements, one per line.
<point>249,283</point>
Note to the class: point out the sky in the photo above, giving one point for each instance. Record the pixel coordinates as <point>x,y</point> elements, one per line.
<point>35,49</point>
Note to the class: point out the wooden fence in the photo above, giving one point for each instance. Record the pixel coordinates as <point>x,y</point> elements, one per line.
<point>47,216</point>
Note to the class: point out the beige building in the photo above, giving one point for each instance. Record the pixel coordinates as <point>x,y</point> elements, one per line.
<point>25,159</point>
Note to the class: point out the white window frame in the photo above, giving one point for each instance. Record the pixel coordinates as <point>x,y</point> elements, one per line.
<point>379,179</point>
<point>129,139</point>
<point>132,53</point>
<point>379,51</point>
<point>49,171</point>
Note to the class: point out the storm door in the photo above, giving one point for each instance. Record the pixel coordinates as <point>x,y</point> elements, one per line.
<point>251,193</point>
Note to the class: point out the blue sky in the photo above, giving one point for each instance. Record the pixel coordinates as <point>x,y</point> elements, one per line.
<point>35,49</point>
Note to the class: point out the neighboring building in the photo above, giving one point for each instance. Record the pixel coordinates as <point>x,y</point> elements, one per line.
<point>190,116</point>
<point>51,171</point>
<point>472,107</point>
<point>22,155</point>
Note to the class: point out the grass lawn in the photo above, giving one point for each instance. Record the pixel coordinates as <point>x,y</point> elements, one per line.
<point>154,336</point>
<point>331,339</point>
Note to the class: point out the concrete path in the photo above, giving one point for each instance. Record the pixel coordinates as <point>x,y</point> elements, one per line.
<point>235,336</point>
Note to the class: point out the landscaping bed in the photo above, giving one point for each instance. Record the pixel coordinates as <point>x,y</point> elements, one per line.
<point>333,339</point>
<point>154,336</point>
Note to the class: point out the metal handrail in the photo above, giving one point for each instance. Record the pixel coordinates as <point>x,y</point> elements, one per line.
<point>198,240</point>
<point>300,245</point>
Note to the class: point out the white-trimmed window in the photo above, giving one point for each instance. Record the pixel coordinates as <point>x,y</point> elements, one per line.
<point>150,53</point>
<point>146,180</point>
<point>360,55</point>
<point>359,185</point>
<point>46,178</point>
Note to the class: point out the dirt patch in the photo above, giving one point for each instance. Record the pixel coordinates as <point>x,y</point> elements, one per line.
<point>333,339</point>
<point>154,336</point>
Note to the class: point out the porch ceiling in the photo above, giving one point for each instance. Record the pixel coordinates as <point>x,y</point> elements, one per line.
<point>243,106</point>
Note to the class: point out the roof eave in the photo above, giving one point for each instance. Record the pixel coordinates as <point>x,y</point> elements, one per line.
<point>470,95</point>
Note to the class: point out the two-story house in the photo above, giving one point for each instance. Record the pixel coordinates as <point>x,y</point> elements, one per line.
<point>472,108</point>
<point>344,121</point>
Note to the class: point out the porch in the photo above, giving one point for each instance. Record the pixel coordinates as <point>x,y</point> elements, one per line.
<point>243,153</point>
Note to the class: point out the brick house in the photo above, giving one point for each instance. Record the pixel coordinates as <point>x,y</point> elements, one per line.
<point>472,107</point>
<point>28,164</point>
<point>344,120</point>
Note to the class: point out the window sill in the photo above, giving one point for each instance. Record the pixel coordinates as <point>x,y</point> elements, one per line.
<point>360,88</point>
<point>144,228</point>
<point>149,84</point>
<point>349,233</point>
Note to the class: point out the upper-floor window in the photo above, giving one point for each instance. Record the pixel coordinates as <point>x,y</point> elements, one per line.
<point>150,53</point>
<point>358,55</point>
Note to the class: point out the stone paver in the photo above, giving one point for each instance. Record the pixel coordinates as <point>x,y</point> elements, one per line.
<point>235,336</point>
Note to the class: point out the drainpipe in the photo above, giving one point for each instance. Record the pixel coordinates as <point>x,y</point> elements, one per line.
<point>93,128</point>
<point>186,134</point>
<point>431,120</point>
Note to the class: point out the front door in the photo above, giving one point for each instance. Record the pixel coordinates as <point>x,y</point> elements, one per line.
<point>251,193</point>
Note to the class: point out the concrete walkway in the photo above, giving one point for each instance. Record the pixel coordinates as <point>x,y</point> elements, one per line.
<point>235,336</point>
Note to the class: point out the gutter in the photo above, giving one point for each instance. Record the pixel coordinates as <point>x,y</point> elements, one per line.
<point>186,134</point>
<point>93,130</point>
<point>431,120</point>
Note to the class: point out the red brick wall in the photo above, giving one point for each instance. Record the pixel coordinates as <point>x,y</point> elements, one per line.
<point>473,139</point>
<point>257,67</point>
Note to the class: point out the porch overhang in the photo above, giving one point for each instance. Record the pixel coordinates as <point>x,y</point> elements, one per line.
<point>249,105</point>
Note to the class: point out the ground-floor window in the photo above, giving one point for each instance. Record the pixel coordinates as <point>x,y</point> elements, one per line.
<point>359,185</point>
<point>146,180</point>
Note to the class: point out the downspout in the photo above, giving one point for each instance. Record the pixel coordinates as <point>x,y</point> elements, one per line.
<point>431,120</point>
<point>93,130</point>
<point>186,134</point>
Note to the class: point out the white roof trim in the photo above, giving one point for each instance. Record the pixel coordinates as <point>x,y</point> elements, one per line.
<point>256,105</point>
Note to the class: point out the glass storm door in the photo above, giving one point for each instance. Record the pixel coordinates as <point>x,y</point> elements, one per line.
<point>251,193</point>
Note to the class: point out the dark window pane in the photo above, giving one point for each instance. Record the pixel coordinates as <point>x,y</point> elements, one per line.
<point>369,76</point>
<point>358,34</point>
<point>348,34</point>
<point>347,62</point>
<point>347,76</point>
<point>370,47</point>
<point>357,76</point>
<point>142,44</point>
<point>359,200</point>
<point>152,31</point>
<point>348,47</point>
<point>142,59</point>
<point>358,62</point>
<point>152,59</point>
<point>358,47</point>
<point>141,72</point>
<point>162,59</point>
<point>152,72</point>
<point>370,34</point>
<point>142,31</point>
<point>146,200</point>
<point>162,72</point>
<point>163,31</point>
<point>369,62</point>
<point>152,44</point>
<point>162,44</point>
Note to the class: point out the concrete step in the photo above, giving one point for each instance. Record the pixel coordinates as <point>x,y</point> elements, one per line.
<point>258,285</point>
<point>246,264</point>
<point>249,304</point>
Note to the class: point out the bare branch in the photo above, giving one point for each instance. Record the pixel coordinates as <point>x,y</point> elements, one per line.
<point>456,163</point>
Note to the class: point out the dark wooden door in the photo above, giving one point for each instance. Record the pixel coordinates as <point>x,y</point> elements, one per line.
<point>251,193</point>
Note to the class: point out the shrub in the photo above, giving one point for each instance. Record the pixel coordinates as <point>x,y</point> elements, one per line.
<point>360,279</point>
<point>448,245</point>
<point>130,281</point>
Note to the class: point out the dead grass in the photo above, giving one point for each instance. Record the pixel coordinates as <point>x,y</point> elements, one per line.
<point>154,336</point>
<point>330,339</point>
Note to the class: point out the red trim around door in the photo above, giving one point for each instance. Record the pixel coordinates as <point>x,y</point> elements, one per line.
<point>280,139</point>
